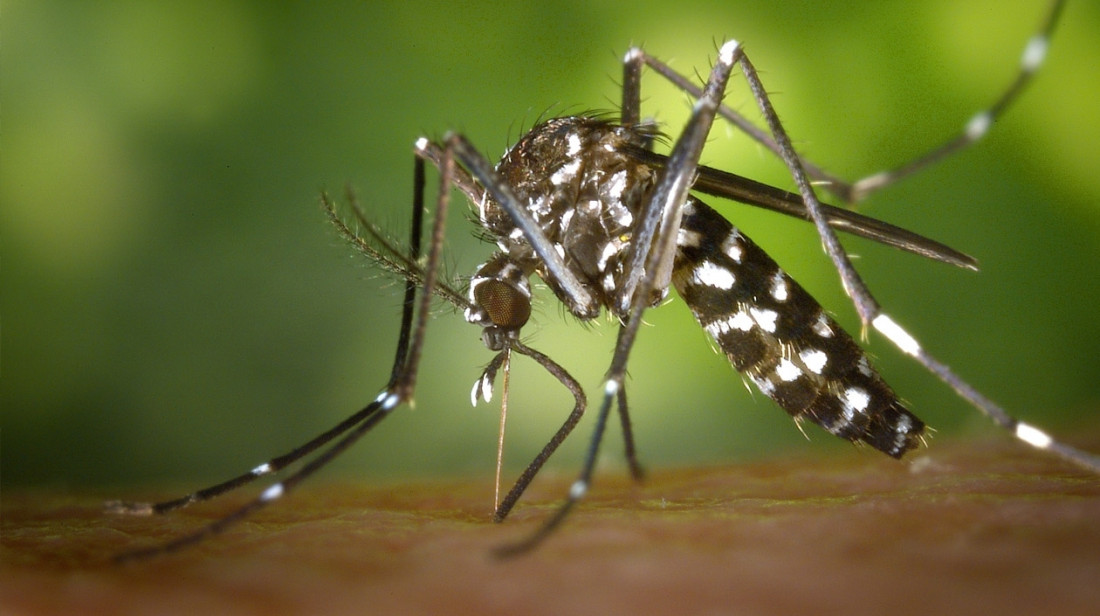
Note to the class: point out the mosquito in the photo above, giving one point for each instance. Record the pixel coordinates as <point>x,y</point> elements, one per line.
<point>609,226</point>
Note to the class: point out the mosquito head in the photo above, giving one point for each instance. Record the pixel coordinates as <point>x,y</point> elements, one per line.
<point>501,294</point>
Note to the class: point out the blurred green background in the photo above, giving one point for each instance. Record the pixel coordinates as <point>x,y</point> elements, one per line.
<point>176,308</point>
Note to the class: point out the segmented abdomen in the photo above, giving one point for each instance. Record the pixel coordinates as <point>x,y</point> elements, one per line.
<point>775,333</point>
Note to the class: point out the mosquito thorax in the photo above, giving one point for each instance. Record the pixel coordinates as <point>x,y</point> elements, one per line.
<point>579,180</point>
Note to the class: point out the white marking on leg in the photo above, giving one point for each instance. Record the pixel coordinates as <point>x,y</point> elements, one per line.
<point>390,402</point>
<point>702,104</point>
<point>870,183</point>
<point>578,489</point>
<point>978,126</point>
<point>896,334</point>
<point>261,470</point>
<point>611,387</point>
<point>1032,436</point>
<point>632,54</point>
<point>1035,53</point>
<point>422,144</point>
<point>725,54</point>
<point>270,494</point>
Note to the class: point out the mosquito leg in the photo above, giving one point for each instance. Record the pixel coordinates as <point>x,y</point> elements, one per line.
<point>976,127</point>
<point>408,304</point>
<point>1031,60</point>
<point>272,466</point>
<point>276,464</point>
<point>869,310</point>
<point>276,490</point>
<point>405,382</point>
<point>576,491</point>
<point>399,390</point>
<point>653,243</point>
<point>871,313</point>
<point>630,112</point>
<point>636,470</point>
<point>759,135</point>
<point>579,405</point>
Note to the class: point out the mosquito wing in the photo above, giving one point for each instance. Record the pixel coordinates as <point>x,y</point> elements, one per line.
<point>738,188</point>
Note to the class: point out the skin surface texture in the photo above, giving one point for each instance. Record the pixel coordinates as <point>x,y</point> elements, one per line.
<point>958,528</point>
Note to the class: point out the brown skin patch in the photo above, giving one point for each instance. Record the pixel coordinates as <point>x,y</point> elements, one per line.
<point>960,528</point>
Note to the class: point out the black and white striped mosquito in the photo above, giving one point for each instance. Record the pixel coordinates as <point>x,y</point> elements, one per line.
<point>609,225</point>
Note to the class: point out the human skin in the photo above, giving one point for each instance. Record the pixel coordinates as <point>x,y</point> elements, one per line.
<point>961,527</point>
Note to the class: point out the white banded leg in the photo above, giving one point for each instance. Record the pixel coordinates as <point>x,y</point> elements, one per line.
<point>654,245</point>
<point>971,131</point>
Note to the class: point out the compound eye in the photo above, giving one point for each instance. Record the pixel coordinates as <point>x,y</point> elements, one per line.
<point>507,306</point>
